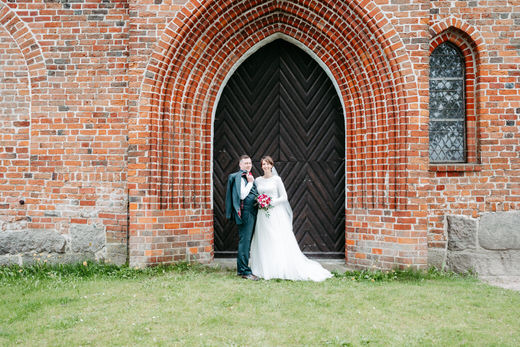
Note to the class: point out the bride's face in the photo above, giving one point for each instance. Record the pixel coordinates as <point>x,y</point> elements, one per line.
<point>267,167</point>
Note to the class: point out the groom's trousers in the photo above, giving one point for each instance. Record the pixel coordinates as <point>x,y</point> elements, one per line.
<point>245,234</point>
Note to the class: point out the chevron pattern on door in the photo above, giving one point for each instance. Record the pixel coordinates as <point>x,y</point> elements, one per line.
<point>280,102</point>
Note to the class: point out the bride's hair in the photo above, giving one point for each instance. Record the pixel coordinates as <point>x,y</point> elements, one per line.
<point>267,159</point>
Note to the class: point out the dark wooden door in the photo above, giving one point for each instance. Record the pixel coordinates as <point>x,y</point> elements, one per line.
<point>281,103</point>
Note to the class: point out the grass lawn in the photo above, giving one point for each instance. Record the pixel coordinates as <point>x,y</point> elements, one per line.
<point>198,306</point>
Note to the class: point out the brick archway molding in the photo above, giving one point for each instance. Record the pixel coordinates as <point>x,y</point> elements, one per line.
<point>28,45</point>
<point>31,51</point>
<point>170,155</point>
<point>34,61</point>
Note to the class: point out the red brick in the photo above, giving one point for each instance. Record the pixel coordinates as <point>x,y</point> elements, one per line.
<point>77,85</point>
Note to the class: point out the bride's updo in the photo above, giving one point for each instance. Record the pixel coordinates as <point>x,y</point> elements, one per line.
<point>267,159</point>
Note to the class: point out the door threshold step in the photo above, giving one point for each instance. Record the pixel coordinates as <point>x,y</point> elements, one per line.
<point>337,265</point>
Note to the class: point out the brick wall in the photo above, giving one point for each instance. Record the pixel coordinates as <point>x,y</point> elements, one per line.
<point>171,140</point>
<point>71,156</point>
<point>488,34</point>
<point>15,108</point>
<point>115,100</point>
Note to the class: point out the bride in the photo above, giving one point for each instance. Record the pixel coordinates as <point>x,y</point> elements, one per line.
<point>274,250</point>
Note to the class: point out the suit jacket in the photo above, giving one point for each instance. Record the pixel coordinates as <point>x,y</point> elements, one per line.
<point>233,205</point>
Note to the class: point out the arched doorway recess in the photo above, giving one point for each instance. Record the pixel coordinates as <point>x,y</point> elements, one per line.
<point>171,134</point>
<point>280,102</point>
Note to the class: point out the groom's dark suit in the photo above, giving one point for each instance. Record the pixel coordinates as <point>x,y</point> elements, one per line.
<point>244,213</point>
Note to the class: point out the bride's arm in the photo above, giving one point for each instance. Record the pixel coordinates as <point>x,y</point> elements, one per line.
<point>282,194</point>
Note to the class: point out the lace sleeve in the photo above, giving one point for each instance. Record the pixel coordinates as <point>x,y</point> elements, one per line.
<point>282,194</point>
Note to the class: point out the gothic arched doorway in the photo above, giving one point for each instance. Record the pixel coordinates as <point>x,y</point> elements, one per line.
<point>280,102</point>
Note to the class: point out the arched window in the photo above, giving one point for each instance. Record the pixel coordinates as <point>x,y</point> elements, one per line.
<point>447,105</point>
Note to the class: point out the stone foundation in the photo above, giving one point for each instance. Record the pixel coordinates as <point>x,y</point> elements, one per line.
<point>487,246</point>
<point>47,246</point>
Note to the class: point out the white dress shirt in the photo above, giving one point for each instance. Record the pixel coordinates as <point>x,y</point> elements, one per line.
<point>245,188</point>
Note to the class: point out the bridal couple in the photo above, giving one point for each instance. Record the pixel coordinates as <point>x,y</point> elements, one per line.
<point>267,247</point>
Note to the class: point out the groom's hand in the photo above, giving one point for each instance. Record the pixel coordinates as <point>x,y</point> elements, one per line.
<point>250,177</point>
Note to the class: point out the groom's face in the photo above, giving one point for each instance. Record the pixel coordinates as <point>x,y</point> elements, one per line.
<point>246,164</point>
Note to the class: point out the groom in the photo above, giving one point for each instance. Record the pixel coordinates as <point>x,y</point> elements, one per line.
<point>240,199</point>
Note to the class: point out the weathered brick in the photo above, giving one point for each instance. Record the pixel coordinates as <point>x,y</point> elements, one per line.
<point>98,100</point>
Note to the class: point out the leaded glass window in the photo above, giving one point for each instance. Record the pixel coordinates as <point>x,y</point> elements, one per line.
<point>447,105</point>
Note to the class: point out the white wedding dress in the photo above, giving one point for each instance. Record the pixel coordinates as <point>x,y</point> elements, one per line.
<point>274,250</point>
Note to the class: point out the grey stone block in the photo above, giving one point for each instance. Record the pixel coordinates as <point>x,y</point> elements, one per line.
<point>485,263</point>
<point>503,263</point>
<point>86,238</point>
<point>436,257</point>
<point>115,253</point>
<point>462,233</point>
<point>14,242</point>
<point>6,260</point>
<point>500,231</point>
<point>460,262</point>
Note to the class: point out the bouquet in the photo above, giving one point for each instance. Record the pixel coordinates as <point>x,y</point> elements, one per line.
<point>263,202</point>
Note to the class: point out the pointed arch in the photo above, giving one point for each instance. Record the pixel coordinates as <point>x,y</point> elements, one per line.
<point>471,45</point>
<point>28,45</point>
<point>171,139</point>
<point>202,44</point>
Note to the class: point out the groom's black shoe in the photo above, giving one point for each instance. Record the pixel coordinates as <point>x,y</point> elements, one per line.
<point>250,277</point>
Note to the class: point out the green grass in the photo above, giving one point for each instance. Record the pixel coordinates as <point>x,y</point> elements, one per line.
<point>102,305</point>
